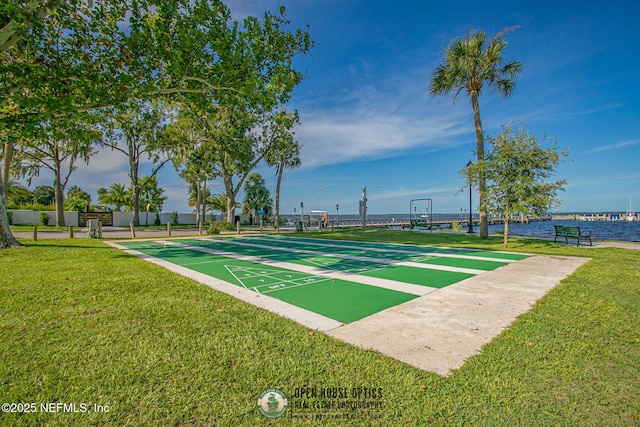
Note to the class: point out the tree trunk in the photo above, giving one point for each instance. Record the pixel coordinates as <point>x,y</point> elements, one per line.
<point>277,213</point>
<point>135,189</point>
<point>231,199</point>
<point>8,158</point>
<point>198,220</point>
<point>58,192</point>
<point>6,238</point>
<point>482,180</point>
<point>231,208</point>
<point>506,230</point>
<point>204,201</point>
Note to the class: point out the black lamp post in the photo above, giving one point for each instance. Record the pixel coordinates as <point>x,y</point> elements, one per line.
<point>337,216</point>
<point>470,203</point>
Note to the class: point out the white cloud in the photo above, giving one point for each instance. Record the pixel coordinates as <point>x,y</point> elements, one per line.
<point>106,162</point>
<point>621,144</point>
<point>241,9</point>
<point>381,121</point>
<point>404,194</point>
<point>105,168</point>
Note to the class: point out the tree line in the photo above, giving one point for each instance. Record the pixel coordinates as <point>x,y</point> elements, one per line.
<point>175,80</point>
<point>179,81</point>
<point>118,197</point>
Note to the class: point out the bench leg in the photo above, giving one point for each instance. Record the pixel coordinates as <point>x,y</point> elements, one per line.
<point>584,238</point>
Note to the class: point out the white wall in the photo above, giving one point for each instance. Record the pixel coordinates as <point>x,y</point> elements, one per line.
<point>120,219</point>
<point>33,217</point>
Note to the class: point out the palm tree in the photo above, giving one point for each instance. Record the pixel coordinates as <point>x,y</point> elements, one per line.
<point>197,198</point>
<point>219,203</point>
<point>116,195</point>
<point>470,64</point>
<point>285,156</point>
<point>77,199</point>
<point>256,197</point>
<point>16,193</point>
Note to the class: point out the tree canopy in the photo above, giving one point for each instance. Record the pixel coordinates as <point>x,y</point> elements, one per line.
<point>518,169</point>
<point>257,197</point>
<point>285,153</point>
<point>58,58</point>
<point>77,199</point>
<point>116,195</point>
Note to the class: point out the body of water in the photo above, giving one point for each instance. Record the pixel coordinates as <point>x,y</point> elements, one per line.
<point>600,230</point>
<point>628,231</point>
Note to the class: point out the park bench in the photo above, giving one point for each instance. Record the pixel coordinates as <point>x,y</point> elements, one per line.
<point>572,232</point>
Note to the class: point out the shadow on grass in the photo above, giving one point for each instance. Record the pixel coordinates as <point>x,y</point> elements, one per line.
<point>494,242</point>
<point>65,243</point>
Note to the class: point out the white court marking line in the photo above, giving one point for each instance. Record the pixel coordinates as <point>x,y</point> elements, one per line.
<point>302,241</point>
<point>300,315</point>
<point>236,277</point>
<point>472,271</point>
<point>321,262</point>
<point>260,273</point>
<point>310,280</point>
<point>296,286</point>
<point>394,285</point>
<point>213,261</point>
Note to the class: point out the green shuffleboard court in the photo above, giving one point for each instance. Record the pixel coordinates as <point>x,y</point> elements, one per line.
<point>340,280</point>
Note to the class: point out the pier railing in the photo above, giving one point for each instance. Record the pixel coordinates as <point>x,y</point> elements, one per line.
<point>426,223</point>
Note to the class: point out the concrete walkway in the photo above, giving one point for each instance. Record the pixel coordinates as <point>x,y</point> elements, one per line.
<point>439,331</point>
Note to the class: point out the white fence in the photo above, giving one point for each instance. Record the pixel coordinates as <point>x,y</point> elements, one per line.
<point>120,219</point>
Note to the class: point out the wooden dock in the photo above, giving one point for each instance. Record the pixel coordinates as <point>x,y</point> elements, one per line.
<point>440,223</point>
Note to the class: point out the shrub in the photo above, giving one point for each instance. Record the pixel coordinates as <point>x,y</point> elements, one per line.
<point>10,215</point>
<point>215,227</point>
<point>44,218</point>
<point>35,207</point>
<point>174,218</point>
<point>456,226</point>
<point>156,221</point>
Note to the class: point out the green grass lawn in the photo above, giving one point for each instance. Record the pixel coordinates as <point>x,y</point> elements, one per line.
<point>82,323</point>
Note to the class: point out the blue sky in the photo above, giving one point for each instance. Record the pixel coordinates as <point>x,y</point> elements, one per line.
<point>367,119</point>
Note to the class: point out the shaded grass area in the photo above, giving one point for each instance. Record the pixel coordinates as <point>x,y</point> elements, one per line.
<point>29,227</point>
<point>84,323</point>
